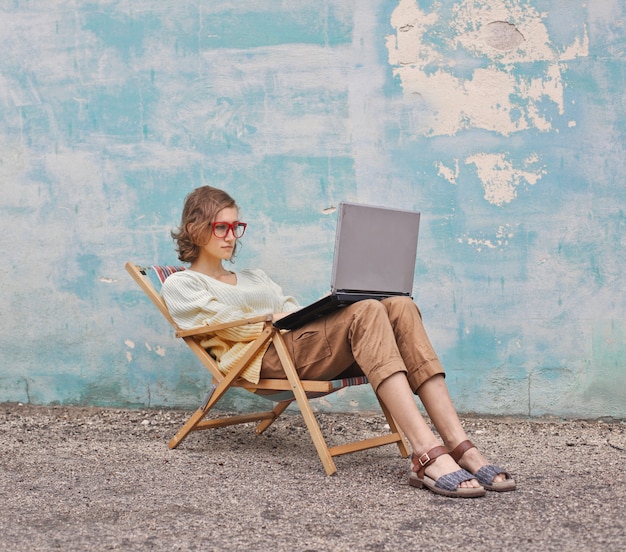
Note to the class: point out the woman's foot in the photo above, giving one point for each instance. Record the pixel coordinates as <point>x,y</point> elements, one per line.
<point>444,477</point>
<point>489,476</point>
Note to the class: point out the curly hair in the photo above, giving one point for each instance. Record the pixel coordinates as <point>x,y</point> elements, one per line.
<point>199,211</point>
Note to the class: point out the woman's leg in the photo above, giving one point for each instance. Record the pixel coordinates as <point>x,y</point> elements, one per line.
<point>419,357</point>
<point>436,400</point>
<point>397,395</point>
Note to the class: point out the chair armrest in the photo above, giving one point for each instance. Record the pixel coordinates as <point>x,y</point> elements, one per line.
<point>208,330</point>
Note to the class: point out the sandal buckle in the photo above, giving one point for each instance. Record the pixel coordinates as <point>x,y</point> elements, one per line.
<point>424,459</point>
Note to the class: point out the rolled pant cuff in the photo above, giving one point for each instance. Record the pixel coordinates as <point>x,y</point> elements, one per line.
<point>381,373</point>
<point>426,371</point>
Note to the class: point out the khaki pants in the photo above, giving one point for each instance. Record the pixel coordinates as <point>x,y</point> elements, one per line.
<point>375,338</point>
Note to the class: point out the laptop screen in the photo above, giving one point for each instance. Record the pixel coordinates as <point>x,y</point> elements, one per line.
<point>375,249</point>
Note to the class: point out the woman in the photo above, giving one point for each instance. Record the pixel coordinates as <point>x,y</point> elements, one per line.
<point>385,340</point>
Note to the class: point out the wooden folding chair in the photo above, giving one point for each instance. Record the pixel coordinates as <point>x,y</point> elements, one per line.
<point>285,391</point>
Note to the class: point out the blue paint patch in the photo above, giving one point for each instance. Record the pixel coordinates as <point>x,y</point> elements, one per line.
<point>120,30</point>
<point>117,114</point>
<point>275,185</point>
<point>37,126</point>
<point>477,347</point>
<point>81,279</point>
<point>564,20</point>
<point>234,29</point>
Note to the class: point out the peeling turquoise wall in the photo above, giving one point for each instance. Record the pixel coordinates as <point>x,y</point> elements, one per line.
<point>503,122</point>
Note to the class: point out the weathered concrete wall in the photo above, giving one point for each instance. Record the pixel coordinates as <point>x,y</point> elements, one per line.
<point>502,121</point>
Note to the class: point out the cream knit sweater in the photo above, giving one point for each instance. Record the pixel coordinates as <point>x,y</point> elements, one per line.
<point>194,299</point>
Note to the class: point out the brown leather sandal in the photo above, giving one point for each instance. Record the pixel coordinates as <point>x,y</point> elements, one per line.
<point>446,485</point>
<point>486,474</point>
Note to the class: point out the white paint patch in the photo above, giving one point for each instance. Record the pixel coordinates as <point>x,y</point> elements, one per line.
<point>129,356</point>
<point>507,94</point>
<point>500,179</point>
<point>449,173</point>
<point>477,243</point>
<point>130,344</point>
<point>157,349</point>
<point>503,236</point>
<point>325,402</point>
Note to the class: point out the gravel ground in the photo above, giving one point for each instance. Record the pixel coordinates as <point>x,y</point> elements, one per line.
<point>103,479</point>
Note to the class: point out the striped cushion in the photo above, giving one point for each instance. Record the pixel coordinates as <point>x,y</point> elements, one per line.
<point>336,385</point>
<point>164,271</point>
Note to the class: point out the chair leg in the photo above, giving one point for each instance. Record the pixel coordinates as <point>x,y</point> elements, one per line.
<point>190,424</point>
<point>219,390</point>
<point>404,452</point>
<point>197,417</point>
<point>304,405</point>
<point>278,410</point>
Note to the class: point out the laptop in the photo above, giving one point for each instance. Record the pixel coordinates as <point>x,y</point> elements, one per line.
<point>375,252</point>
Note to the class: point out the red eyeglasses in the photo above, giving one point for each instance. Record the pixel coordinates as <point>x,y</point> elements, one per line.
<point>221,229</point>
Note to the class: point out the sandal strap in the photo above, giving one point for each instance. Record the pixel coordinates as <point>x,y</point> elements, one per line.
<point>458,451</point>
<point>451,481</point>
<point>486,474</point>
<point>426,459</point>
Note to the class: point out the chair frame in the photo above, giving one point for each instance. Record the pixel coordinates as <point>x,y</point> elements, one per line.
<point>293,383</point>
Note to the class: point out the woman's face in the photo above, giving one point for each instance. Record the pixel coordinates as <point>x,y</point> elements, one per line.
<point>222,248</point>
